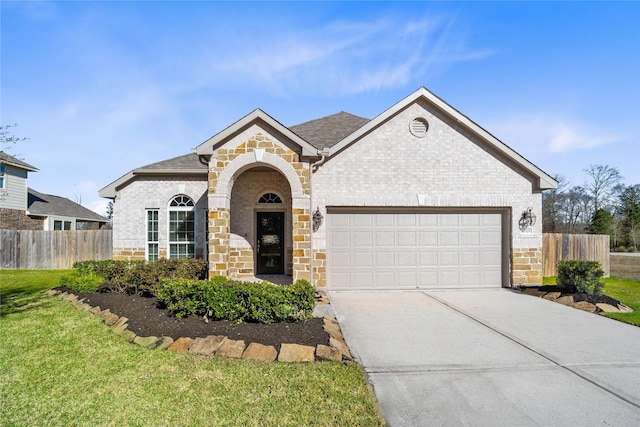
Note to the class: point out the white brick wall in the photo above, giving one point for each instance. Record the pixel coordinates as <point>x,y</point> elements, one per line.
<point>132,202</point>
<point>391,167</point>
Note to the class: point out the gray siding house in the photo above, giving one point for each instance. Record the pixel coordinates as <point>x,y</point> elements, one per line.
<point>22,208</point>
<point>418,197</point>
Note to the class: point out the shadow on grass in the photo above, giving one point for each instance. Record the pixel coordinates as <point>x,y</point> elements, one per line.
<point>17,300</point>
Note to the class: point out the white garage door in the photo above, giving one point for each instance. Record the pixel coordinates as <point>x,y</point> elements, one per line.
<point>413,250</point>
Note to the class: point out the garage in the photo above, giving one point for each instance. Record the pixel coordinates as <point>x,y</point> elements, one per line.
<point>409,250</point>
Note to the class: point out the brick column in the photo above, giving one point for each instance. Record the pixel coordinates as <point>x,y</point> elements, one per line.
<point>527,266</point>
<point>219,220</point>
<point>301,243</point>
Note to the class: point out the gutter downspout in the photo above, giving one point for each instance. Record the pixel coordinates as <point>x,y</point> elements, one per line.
<point>324,153</point>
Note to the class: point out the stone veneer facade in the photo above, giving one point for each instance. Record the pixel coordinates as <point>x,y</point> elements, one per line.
<point>226,166</point>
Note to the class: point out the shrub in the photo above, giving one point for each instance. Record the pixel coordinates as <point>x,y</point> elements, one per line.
<point>221,298</point>
<point>85,283</point>
<point>580,276</point>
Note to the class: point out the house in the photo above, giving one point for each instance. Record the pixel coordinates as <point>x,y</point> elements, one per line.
<point>22,208</point>
<point>419,196</point>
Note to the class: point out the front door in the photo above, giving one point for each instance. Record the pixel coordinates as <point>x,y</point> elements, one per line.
<point>270,245</point>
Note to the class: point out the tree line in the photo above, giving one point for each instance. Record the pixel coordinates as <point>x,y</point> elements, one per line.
<point>602,205</point>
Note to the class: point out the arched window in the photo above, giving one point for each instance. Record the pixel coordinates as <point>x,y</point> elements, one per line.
<point>270,198</point>
<point>182,236</point>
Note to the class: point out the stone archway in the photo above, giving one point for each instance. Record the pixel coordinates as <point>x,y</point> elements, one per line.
<point>221,180</point>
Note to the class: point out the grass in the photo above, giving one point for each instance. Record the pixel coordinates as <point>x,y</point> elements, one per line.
<point>62,366</point>
<point>625,291</point>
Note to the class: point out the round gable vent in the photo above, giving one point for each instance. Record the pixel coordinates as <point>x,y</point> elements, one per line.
<point>419,127</point>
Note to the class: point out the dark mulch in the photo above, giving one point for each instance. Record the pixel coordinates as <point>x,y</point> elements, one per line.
<point>579,296</point>
<point>146,319</point>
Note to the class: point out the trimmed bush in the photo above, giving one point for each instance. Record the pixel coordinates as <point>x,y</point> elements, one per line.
<point>131,277</point>
<point>85,283</point>
<point>580,276</point>
<point>221,298</point>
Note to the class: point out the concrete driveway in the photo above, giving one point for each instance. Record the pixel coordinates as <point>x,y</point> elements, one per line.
<point>491,358</point>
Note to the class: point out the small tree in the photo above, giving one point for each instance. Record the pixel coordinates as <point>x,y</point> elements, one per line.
<point>602,222</point>
<point>629,211</point>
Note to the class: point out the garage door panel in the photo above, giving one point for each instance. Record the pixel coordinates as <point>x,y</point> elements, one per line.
<point>448,238</point>
<point>363,239</point>
<point>362,259</point>
<point>385,239</point>
<point>406,238</point>
<point>413,250</point>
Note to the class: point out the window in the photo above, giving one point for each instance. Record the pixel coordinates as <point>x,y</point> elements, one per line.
<point>152,235</point>
<point>61,225</point>
<point>3,172</point>
<point>270,198</point>
<point>181,227</point>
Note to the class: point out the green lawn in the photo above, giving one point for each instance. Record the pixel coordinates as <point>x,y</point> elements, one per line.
<point>62,366</point>
<point>625,291</point>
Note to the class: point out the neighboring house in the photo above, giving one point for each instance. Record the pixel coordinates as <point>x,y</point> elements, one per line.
<point>22,208</point>
<point>420,196</point>
<point>59,213</point>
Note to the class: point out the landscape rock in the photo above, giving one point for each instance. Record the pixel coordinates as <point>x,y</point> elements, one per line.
<point>181,344</point>
<point>111,319</point>
<point>104,313</point>
<point>120,328</point>
<point>584,306</point>
<point>607,308</point>
<point>121,321</point>
<point>147,342</point>
<point>566,300</point>
<point>340,345</point>
<point>534,291</point>
<point>257,351</point>
<point>95,310</point>
<point>206,346</point>
<point>296,353</point>
<point>624,309</point>
<point>128,335</point>
<point>552,296</point>
<point>325,352</point>
<point>164,343</point>
<point>231,348</point>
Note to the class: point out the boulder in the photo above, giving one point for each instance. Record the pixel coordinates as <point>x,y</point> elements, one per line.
<point>566,300</point>
<point>256,351</point>
<point>607,308</point>
<point>164,343</point>
<point>206,346</point>
<point>296,353</point>
<point>624,309</point>
<point>325,352</point>
<point>181,344</point>
<point>231,348</point>
<point>147,342</point>
<point>584,306</point>
<point>552,296</point>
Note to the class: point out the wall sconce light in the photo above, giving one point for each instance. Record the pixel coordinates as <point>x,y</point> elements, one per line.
<point>527,219</point>
<point>317,219</point>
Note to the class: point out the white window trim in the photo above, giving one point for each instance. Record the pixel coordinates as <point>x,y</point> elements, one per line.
<point>147,241</point>
<point>195,221</point>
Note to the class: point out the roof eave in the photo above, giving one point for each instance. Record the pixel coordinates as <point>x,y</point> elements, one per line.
<point>544,181</point>
<point>206,147</point>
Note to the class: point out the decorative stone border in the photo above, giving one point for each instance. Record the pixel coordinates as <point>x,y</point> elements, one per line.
<point>220,345</point>
<point>581,305</point>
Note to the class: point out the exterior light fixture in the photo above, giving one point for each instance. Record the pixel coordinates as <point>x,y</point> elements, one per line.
<point>527,219</point>
<point>317,219</point>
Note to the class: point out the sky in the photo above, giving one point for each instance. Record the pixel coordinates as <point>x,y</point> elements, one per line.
<point>101,88</point>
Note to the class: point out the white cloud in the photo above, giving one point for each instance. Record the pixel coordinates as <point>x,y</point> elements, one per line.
<point>552,133</point>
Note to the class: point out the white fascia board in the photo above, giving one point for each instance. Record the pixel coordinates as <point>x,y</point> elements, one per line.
<point>109,192</point>
<point>206,148</point>
<point>545,181</point>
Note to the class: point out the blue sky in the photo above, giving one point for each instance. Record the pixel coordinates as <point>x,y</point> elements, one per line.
<point>101,88</point>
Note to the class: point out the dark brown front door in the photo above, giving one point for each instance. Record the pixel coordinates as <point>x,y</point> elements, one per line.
<point>270,245</point>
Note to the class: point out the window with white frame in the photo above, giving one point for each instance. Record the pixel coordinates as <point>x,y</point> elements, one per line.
<point>182,236</point>
<point>61,225</point>
<point>152,235</point>
<point>3,172</point>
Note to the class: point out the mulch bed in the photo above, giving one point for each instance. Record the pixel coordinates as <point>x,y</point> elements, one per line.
<point>579,296</point>
<point>146,319</point>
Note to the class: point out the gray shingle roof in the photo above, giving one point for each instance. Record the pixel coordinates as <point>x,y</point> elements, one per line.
<point>328,131</point>
<point>188,161</point>
<point>46,205</point>
<point>10,160</point>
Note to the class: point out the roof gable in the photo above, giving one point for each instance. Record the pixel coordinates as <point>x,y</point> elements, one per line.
<point>47,205</point>
<point>188,164</point>
<point>262,118</point>
<point>12,161</point>
<point>327,131</point>
<point>544,181</point>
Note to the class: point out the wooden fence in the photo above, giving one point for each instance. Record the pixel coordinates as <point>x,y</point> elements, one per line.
<point>52,250</point>
<point>587,247</point>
